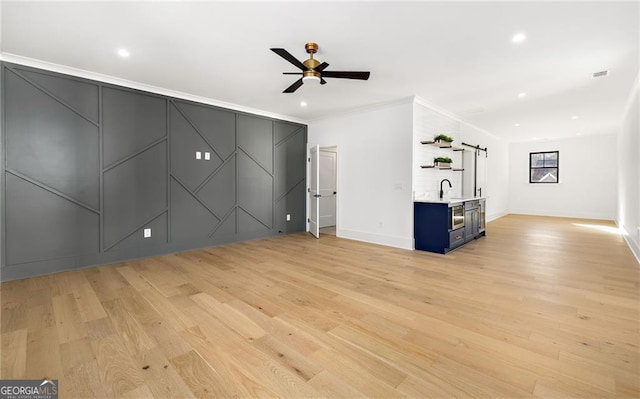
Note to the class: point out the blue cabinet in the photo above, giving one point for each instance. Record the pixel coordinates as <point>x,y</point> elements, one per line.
<point>432,225</point>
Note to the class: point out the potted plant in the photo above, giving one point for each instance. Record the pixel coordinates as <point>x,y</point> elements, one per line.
<point>443,139</point>
<point>442,162</point>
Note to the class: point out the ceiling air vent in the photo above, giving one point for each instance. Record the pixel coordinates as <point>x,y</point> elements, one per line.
<point>600,74</point>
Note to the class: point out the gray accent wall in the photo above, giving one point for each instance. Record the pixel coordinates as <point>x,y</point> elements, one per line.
<point>87,166</point>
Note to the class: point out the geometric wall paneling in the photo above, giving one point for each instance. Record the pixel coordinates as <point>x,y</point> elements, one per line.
<point>294,204</point>
<point>289,154</point>
<point>89,165</point>
<point>41,225</point>
<point>255,190</point>
<point>131,122</point>
<point>218,127</point>
<point>219,193</point>
<point>249,224</point>
<point>136,239</point>
<point>50,142</point>
<point>190,219</point>
<point>78,94</point>
<point>227,227</point>
<point>279,171</point>
<point>282,130</point>
<point>255,137</point>
<point>135,192</point>
<point>280,208</point>
<point>185,141</point>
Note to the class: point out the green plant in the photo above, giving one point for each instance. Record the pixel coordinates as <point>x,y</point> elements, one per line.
<point>443,137</point>
<point>443,159</point>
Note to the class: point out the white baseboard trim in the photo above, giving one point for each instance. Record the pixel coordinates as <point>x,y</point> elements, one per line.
<point>391,241</point>
<point>561,214</point>
<point>634,246</point>
<point>494,216</point>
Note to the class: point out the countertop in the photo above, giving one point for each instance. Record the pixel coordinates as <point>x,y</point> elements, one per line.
<point>447,200</point>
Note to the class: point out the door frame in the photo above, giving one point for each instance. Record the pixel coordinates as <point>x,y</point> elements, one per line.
<point>330,150</point>
<point>336,148</point>
<point>313,191</point>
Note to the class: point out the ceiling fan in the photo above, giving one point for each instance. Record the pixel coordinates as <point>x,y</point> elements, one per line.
<point>313,70</point>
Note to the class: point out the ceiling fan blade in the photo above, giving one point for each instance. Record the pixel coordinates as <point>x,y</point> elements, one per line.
<point>346,75</point>
<point>323,82</point>
<point>321,67</point>
<point>292,73</point>
<point>287,56</point>
<point>294,86</point>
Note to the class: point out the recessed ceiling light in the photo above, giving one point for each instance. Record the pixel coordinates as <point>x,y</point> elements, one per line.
<point>578,134</point>
<point>574,117</point>
<point>518,38</point>
<point>523,94</point>
<point>303,103</point>
<point>124,53</point>
<point>516,125</point>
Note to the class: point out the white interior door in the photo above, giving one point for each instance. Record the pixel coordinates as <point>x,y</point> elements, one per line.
<point>327,188</point>
<point>314,191</point>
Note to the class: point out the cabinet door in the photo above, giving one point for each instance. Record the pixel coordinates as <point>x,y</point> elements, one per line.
<point>468,225</point>
<point>476,223</point>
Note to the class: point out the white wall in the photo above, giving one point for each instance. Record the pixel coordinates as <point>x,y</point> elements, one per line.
<point>428,123</point>
<point>628,216</point>
<point>374,148</point>
<point>588,181</point>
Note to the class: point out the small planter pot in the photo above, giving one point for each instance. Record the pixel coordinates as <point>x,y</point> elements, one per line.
<point>443,165</point>
<point>442,143</point>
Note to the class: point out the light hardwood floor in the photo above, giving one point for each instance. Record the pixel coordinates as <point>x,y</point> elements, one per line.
<point>543,307</point>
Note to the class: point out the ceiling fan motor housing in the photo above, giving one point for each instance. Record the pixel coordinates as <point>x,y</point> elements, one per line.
<point>310,73</point>
<point>311,63</point>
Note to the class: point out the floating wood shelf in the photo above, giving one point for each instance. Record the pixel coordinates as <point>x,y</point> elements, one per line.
<point>442,145</point>
<point>434,167</point>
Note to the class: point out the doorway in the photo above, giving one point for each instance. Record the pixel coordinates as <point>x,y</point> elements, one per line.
<point>328,162</point>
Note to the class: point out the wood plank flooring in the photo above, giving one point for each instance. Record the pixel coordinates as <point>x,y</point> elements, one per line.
<point>541,307</point>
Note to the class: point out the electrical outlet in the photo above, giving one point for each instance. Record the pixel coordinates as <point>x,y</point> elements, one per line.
<point>198,155</point>
<point>288,217</point>
<point>147,233</point>
<point>207,156</point>
<point>380,224</point>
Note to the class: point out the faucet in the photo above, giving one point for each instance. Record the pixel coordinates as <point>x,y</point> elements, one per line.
<point>441,191</point>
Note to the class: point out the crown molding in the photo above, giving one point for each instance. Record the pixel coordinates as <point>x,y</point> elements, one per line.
<point>81,73</point>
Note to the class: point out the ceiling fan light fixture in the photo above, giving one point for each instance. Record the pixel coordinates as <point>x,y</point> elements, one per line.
<point>311,79</point>
<point>310,76</point>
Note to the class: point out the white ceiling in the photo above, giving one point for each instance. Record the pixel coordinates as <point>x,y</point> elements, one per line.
<point>457,56</point>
